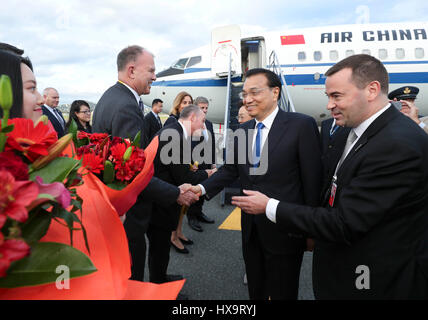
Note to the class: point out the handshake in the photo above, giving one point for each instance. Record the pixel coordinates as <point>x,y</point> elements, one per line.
<point>188,194</point>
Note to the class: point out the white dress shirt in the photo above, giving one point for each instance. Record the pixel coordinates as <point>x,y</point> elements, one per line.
<point>185,134</point>
<point>136,95</point>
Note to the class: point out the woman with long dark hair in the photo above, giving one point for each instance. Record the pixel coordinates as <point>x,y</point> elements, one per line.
<point>27,101</point>
<point>80,112</point>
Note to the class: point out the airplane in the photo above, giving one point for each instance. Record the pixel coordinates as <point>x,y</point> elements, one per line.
<point>302,58</point>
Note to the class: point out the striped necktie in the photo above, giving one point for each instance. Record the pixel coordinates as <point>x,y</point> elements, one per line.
<point>141,106</point>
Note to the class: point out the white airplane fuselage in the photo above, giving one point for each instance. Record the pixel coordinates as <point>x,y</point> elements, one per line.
<point>304,56</point>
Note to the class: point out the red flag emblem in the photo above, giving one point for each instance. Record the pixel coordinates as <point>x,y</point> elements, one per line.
<point>296,39</point>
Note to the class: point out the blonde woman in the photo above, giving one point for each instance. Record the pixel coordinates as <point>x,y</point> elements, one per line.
<point>182,100</point>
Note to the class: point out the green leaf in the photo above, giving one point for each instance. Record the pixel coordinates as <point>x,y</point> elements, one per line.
<point>73,130</point>
<point>116,185</point>
<point>108,174</point>
<point>8,129</point>
<point>40,267</point>
<point>137,139</point>
<point>6,94</point>
<point>56,171</point>
<point>36,226</point>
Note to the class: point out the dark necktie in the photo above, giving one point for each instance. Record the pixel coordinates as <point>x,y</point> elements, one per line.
<point>141,106</point>
<point>257,145</point>
<point>160,122</point>
<point>59,116</point>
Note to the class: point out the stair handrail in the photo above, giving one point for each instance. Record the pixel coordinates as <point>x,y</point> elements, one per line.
<point>285,94</point>
<point>228,102</point>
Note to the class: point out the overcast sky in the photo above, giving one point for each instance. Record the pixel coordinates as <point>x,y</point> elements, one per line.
<point>73,44</point>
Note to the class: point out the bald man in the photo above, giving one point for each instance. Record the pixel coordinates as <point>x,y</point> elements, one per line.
<point>50,109</point>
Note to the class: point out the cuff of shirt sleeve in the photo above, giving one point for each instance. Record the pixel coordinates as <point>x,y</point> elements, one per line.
<point>422,125</point>
<point>271,209</point>
<point>202,189</point>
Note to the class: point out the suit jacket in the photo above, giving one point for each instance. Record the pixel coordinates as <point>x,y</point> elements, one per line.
<point>118,114</point>
<point>379,217</point>
<point>54,121</point>
<point>166,215</point>
<point>206,144</point>
<point>332,148</point>
<point>171,119</point>
<point>294,174</point>
<point>151,126</point>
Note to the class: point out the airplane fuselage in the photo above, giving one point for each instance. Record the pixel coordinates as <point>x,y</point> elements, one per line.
<point>304,56</point>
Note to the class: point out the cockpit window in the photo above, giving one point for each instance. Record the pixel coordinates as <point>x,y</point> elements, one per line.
<point>193,61</point>
<point>180,64</point>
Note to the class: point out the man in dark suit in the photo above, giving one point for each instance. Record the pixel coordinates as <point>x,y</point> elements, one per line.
<point>206,142</point>
<point>50,109</point>
<point>280,155</point>
<point>152,122</point>
<point>371,239</point>
<point>172,166</point>
<point>119,113</point>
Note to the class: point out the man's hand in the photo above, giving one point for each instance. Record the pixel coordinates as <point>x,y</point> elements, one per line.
<point>196,190</point>
<point>254,203</point>
<point>185,187</point>
<point>210,172</point>
<point>187,198</point>
<point>409,109</point>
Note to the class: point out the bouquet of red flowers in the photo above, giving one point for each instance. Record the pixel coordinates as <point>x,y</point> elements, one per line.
<point>36,187</point>
<point>118,166</point>
<point>115,161</point>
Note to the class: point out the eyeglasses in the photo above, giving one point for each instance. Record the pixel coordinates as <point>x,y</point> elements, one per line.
<point>86,112</point>
<point>252,93</point>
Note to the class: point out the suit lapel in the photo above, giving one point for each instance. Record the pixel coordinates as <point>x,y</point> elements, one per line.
<point>131,95</point>
<point>372,130</point>
<point>276,133</point>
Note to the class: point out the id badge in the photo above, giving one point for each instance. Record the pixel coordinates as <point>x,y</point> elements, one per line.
<point>332,194</point>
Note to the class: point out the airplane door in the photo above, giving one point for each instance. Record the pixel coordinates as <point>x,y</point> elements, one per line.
<point>224,41</point>
<point>253,53</point>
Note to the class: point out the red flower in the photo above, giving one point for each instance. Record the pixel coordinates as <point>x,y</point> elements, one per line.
<point>15,196</point>
<point>32,141</point>
<point>14,164</point>
<point>11,250</point>
<point>117,151</point>
<point>124,172</point>
<point>116,140</point>
<point>93,162</point>
<point>98,138</point>
<point>83,135</point>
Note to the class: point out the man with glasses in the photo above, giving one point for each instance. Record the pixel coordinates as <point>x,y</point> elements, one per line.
<point>287,146</point>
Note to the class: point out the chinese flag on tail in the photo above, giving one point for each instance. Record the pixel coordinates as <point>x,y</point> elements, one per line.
<point>296,39</point>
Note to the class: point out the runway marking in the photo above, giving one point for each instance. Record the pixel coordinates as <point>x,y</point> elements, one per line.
<point>233,221</point>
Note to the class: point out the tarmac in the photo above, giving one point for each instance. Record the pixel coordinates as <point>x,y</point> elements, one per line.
<point>214,269</point>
